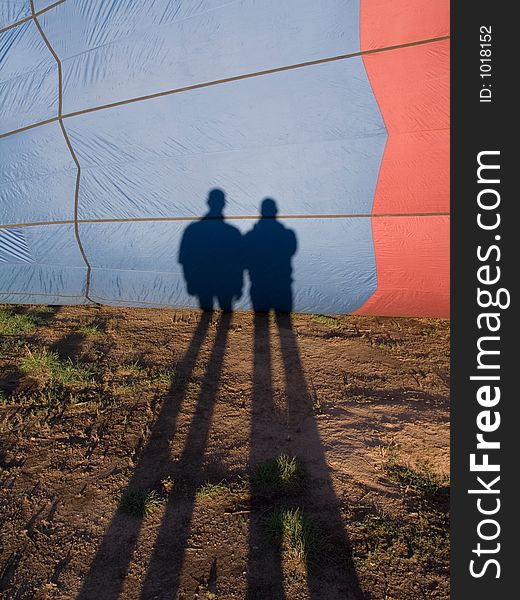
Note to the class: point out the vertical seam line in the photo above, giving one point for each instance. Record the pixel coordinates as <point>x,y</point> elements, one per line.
<point>69,146</point>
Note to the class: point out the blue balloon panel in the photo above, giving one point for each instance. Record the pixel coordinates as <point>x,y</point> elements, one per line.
<point>113,50</point>
<point>311,138</point>
<point>97,200</point>
<point>137,263</point>
<point>55,272</point>
<point>13,11</point>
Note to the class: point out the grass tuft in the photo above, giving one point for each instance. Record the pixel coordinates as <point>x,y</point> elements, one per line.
<point>15,323</point>
<point>421,479</point>
<point>281,475</point>
<point>40,362</point>
<point>49,366</point>
<point>326,320</point>
<point>12,323</point>
<point>139,503</point>
<point>127,376</point>
<point>89,330</point>
<point>422,537</point>
<point>384,342</point>
<point>162,376</point>
<point>49,401</point>
<point>209,491</point>
<point>298,536</point>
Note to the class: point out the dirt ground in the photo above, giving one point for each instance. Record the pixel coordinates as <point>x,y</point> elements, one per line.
<point>132,441</point>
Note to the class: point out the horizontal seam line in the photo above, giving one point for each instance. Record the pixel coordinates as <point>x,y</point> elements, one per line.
<point>31,17</point>
<point>228,80</point>
<point>227,218</point>
<point>39,294</point>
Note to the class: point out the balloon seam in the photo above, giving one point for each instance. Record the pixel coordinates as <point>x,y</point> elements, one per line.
<point>69,146</point>
<point>229,217</point>
<point>206,84</point>
<point>31,17</point>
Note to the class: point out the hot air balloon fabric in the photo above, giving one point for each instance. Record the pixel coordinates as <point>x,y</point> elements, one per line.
<point>118,117</point>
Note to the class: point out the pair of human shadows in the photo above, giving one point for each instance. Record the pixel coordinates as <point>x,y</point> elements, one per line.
<point>265,579</point>
<point>214,256</point>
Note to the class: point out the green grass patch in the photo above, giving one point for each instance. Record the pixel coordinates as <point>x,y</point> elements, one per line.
<point>133,369</point>
<point>139,503</point>
<point>281,475</point>
<point>40,362</point>
<point>54,383</point>
<point>10,345</point>
<point>12,323</point>
<point>298,536</point>
<point>384,342</point>
<point>211,491</point>
<point>422,537</point>
<point>89,330</point>
<point>160,376</point>
<point>129,375</point>
<point>48,366</point>
<point>420,479</point>
<point>381,530</point>
<point>326,320</point>
<point>46,402</point>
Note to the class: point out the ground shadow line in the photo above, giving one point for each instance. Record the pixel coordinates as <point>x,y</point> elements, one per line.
<point>109,568</point>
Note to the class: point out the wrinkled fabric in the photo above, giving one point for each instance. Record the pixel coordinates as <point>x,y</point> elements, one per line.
<point>100,195</point>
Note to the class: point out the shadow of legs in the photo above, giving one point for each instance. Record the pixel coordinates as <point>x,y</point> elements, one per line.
<point>304,431</point>
<point>264,569</point>
<point>110,565</point>
<point>163,576</point>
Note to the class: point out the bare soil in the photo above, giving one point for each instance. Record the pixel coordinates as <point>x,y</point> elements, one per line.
<point>173,400</point>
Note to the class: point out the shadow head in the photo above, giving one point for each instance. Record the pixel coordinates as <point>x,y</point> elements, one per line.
<point>268,209</point>
<point>216,200</point>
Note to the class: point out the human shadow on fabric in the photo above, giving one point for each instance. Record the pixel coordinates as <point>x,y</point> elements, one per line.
<point>209,248</point>
<point>268,250</point>
<point>293,430</point>
<point>211,253</point>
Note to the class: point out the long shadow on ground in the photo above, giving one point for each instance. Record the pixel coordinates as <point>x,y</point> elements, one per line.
<point>294,432</point>
<point>108,571</point>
